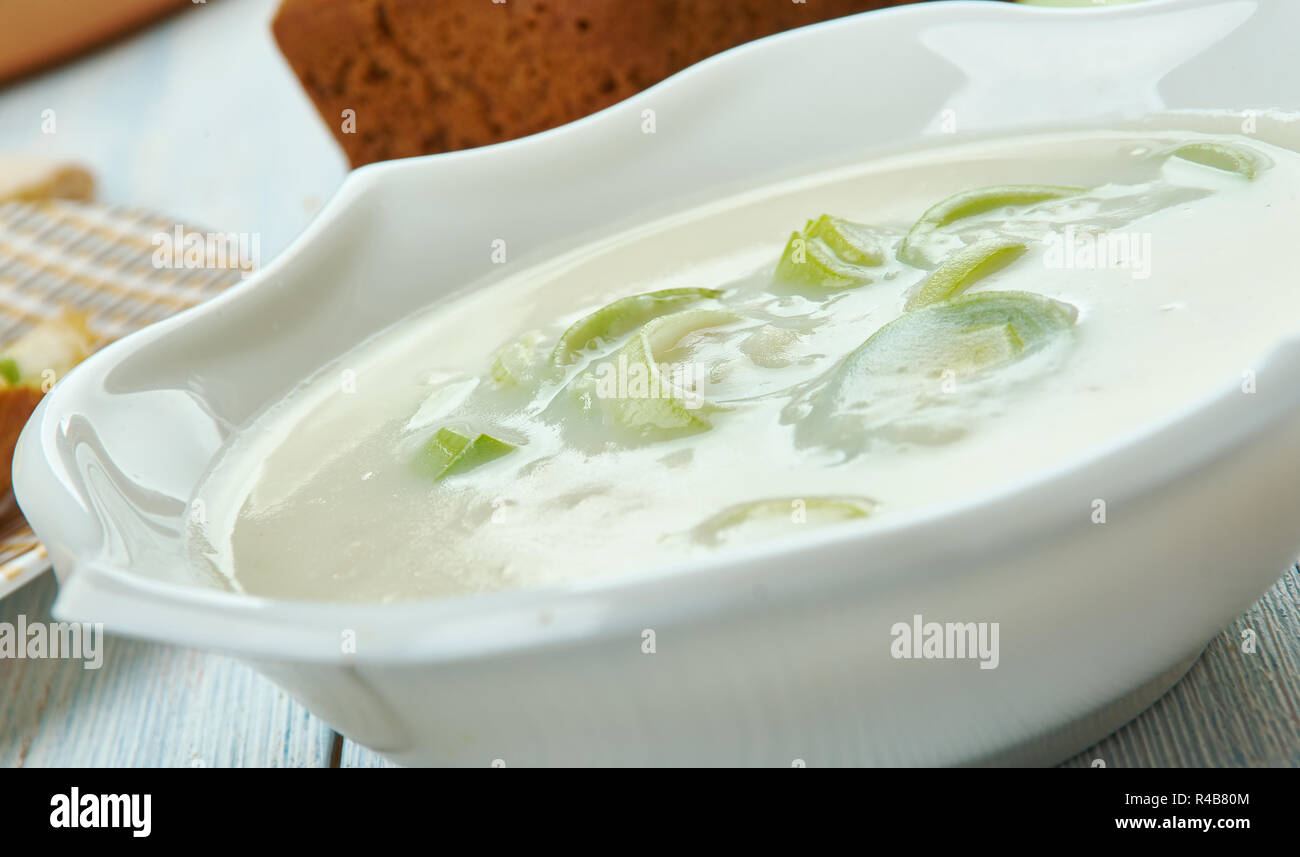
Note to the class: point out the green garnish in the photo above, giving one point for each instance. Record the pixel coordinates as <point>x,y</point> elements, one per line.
<point>1220,157</point>
<point>889,383</point>
<point>830,253</point>
<point>969,204</point>
<point>631,387</point>
<point>9,370</point>
<point>617,319</point>
<point>965,334</point>
<point>961,270</point>
<point>449,452</point>
<point>795,510</point>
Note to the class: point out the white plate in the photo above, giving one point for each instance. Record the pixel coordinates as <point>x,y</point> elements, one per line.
<point>777,653</point>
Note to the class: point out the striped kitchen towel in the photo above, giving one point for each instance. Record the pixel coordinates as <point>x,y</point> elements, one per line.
<point>124,268</point>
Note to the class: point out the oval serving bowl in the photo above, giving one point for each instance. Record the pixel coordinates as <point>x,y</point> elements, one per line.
<point>768,655</point>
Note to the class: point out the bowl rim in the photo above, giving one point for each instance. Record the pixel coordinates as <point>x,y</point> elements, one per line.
<point>487,623</point>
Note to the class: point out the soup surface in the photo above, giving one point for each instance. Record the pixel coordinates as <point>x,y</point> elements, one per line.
<point>962,317</point>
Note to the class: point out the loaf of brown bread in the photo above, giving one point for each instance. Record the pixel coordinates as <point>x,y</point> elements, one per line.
<point>396,78</point>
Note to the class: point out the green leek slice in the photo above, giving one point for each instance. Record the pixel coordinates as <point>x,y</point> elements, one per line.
<point>795,510</point>
<point>1218,156</point>
<point>961,270</point>
<point>955,334</point>
<point>895,385</point>
<point>516,364</point>
<point>968,204</point>
<point>621,317</point>
<point>830,253</point>
<point>449,452</point>
<point>656,401</point>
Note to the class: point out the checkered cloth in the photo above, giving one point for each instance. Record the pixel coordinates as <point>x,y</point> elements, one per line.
<point>56,256</point>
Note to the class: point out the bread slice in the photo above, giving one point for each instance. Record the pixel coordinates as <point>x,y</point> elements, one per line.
<point>423,76</point>
<point>31,178</point>
<point>29,366</point>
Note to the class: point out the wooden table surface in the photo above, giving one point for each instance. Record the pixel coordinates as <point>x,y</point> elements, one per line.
<point>250,155</point>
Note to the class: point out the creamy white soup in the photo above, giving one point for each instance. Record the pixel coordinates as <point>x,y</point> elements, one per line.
<point>822,352</point>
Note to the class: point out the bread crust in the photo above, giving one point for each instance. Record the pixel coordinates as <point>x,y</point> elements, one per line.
<point>16,405</point>
<point>38,358</point>
<point>426,76</point>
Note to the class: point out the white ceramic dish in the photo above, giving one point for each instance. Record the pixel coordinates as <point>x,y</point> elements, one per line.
<point>764,657</point>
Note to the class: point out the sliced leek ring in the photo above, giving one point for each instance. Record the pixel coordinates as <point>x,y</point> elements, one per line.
<point>1218,156</point>
<point>964,268</point>
<point>655,402</point>
<point>895,386</point>
<point>830,253</point>
<point>965,334</point>
<point>968,204</point>
<point>795,510</point>
<point>621,317</point>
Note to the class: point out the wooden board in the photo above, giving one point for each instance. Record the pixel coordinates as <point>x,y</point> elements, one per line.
<point>37,33</point>
<point>1233,709</point>
<point>148,706</point>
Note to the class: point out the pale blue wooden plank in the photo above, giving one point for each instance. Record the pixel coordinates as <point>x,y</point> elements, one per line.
<point>1233,709</point>
<point>356,756</point>
<point>129,111</point>
<point>148,705</point>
